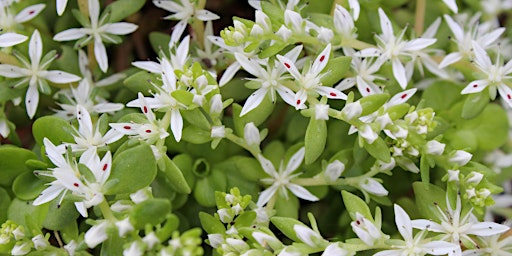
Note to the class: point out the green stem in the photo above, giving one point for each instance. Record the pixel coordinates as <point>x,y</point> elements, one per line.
<point>106,211</point>
<point>420,17</point>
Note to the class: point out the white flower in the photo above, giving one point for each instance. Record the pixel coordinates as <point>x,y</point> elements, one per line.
<point>495,76</point>
<point>309,81</point>
<point>352,110</point>
<point>98,30</point>
<point>251,134</point>
<point>308,236</point>
<point>124,227</point>
<point>335,249</point>
<point>364,69</point>
<point>97,234</point>
<point>267,240</point>
<point>479,33</point>
<point>474,177</point>
<point>344,23</point>
<point>151,131</point>
<point>34,73</point>
<point>391,48</point>
<point>453,175</point>
<point>333,170</point>
<point>270,79</point>
<point>151,240</point>
<point>185,11</point>
<point>134,250</point>
<point>416,245</point>
<point>10,22</point>
<point>21,248</point>
<point>461,157</point>
<point>492,245</point>
<point>365,229</point>
<point>455,227</point>
<point>68,177</point>
<point>39,242</point>
<point>434,147</point>
<point>282,180</point>
<point>218,131</point>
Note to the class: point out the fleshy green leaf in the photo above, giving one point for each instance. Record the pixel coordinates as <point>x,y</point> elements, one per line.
<point>427,197</point>
<point>140,82</point>
<point>196,135</point>
<point>474,104</point>
<point>379,150</point>
<point>134,168</point>
<point>151,211</point>
<point>204,191</point>
<point>372,103</point>
<point>5,201</point>
<point>58,217</point>
<point>56,129</point>
<point>355,204</point>
<point>12,163</point>
<point>175,177</point>
<point>27,186</point>
<point>285,225</point>
<point>211,224</point>
<point>121,9</point>
<point>338,68</point>
<point>316,137</point>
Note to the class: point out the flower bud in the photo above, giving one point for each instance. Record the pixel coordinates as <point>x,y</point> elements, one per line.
<point>284,33</point>
<point>215,240</point>
<point>334,170</point>
<point>461,157</point>
<point>39,242</point>
<point>365,229</point>
<point>218,132</point>
<point>151,240</point>
<point>321,112</point>
<point>453,175</point>
<point>368,134</point>
<point>435,147</point>
<point>474,177</point>
<point>307,235</point>
<point>21,248</point>
<point>352,110</point>
<point>372,186</point>
<point>251,134</point>
<point>216,105</point>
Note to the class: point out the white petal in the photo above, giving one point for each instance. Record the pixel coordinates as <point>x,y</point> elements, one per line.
<point>150,66</point>
<point>403,223</point>
<point>427,225</point>
<point>439,247</point>
<point>355,8</point>
<point>506,94</point>
<point>168,5</point>
<point>456,29</point>
<point>61,6</point>
<point>431,31</point>
<point>286,94</point>
<point>330,93</point>
<point>481,56</point>
<point>32,100</point>
<point>265,195</point>
<point>176,124</point>
<point>205,15</point>
<point>229,73</point>
<point>249,65</point>
<point>111,79</point>
<point>254,100</point>
<point>61,77</point>
<point>321,60</point>
<point>399,73</point>
<point>29,13</point>
<point>177,32</point>
<point>475,86</point>
<point>368,52</point>
<point>385,25</point>
<point>450,59</point>
<point>293,19</point>
<point>290,66</point>
<point>366,88</point>
<point>84,121</point>
<point>11,71</point>
<point>401,97</point>
<point>106,165</point>
<point>487,39</point>
<point>487,229</point>
<point>96,234</point>
<point>49,194</point>
<point>295,161</point>
<point>126,128</point>
<point>35,48</point>
<point>112,136</point>
<point>301,192</point>
<point>120,28</point>
<point>10,39</point>
<point>388,253</point>
<point>80,207</point>
<point>267,166</point>
<point>107,107</point>
<point>94,11</point>
<point>182,53</point>
<point>418,44</point>
<point>372,186</point>
<point>70,34</point>
<point>100,53</point>
<point>306,235</point>
<point>452,5</point>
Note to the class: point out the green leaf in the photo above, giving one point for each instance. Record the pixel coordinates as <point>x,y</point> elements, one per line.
<point>151,211</point>
<point>245,219</point>
<point>24,213</point>
<point>287,207</point>
<point>56,129</point>
<point>141,82</point>
<point>379,150</point>
<point>134,168</point>
<point>185,163</point>
<point>425,168</point>
<point>58,217</point>
<point>474,104</point>
<point>257,115</point>
<point>372,103</point>
<point>5,201</point>
<point>337,69</point>
<point>196,118</point>
<point>9,93</point>
<point>175,177</point>
<point>113,245</point>
<point>441,95</point>
<point>272,50</point>
<point>196,135</point>
<point>12,163</point>
<point>427,197</point>
<point>285,225</point>
<point>159,41</point>
<point>315,139</point>
<point>204,191</point>
<point>27,186</point>
<point>211,224</point>
<point>355,204</point>
<point>121,9</point>
<point>182,96</point>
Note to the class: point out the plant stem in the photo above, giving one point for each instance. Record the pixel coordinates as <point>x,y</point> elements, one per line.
<point>420,17</point>
<point>106,211</point>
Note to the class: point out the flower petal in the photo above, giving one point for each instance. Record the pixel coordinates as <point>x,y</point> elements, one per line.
<point>120,28</point>
<point>301,192</point>
<point>29,13</point>
<point>385,25</point>
<point>70,34</point>
<point>418,44</point>
<point>487,229</point>
<point>399,72</point>
<point>401,97</point>
<point>49,193</point>
<point>61,6</point>
<point>11,71</point>
<point>475,86</point>
<point>229,73</point>
<point>60,77</point>
<point>506,94</point>
<point>290,66</point>
<point>10,39</point>
<point>254,100</point>
<point>450,59</point>
<point>330,93</point>
<point>452,5</point>
<point>176,124</point>
<point>456,29</point>
<point>403,223</point>
<point>206,15</point>
<point>321,61</point>
<point>101,54</point>
<point>265,195</point>
<point>35,48</point>
<point>249,65</point>
<point>32,100</point>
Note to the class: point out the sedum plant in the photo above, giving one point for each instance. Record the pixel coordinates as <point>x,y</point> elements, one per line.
<point>337,127</point>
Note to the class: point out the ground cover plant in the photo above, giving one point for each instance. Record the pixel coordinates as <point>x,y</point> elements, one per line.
<point>273,127</point>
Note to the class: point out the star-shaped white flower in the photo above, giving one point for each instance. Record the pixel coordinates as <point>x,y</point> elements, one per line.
<point>283,179</point>
<point>392,48</point>
<point>97,30</point>
<point>35,73</point>
<point>456,227</point>
<point>69,179</point>
<point>365,69</point>
<point>185,11</point>
<point>417,245</point>
<point>483,34</point>
<point>10,22</point>
<point>309,81</point>
<point>495,76</point>
<point>269,78</point>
